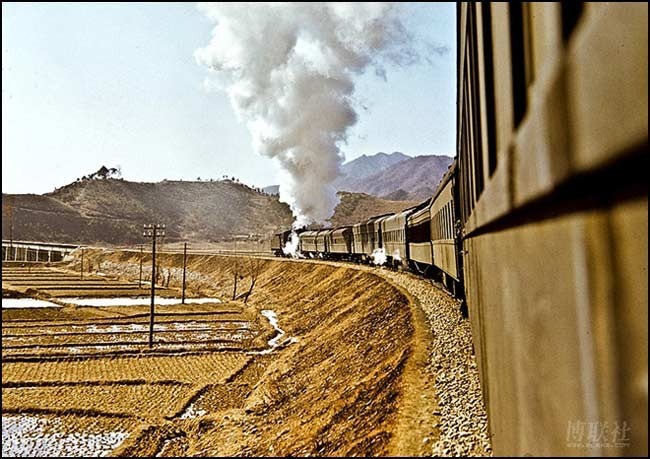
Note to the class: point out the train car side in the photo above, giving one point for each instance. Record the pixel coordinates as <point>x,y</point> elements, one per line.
<point>340,243</point>
<point>444,239</point>
<point>418,235</point>
<point>552,129</point>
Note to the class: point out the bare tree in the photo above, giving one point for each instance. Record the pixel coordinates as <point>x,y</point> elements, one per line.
<point>254,269</point>
<point>237,271</point>
<point>169,276</point>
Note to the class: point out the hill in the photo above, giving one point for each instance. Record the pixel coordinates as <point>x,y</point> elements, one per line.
<point>394,177</point>
<point>356,207</point>
<point>412,179</point>
<point>365,166</point>
<point>112,211</point>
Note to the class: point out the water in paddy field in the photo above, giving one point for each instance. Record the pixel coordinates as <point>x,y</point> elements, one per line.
<point>275,341</point>
<point>134,301</point>
<point>17,303</point>
<point>25,435</point>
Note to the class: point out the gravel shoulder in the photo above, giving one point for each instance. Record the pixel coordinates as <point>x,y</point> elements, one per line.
<point>462,420</point>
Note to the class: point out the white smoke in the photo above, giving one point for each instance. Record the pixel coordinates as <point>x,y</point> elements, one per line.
<point>292,246</point>
<point>379,256</point>
<point>289,71</point>
<point>396,255</point>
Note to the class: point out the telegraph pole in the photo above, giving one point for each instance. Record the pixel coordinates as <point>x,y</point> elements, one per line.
<point>10,214</point>
<point>140,279</point>
<point>82,263</point>
<point>153,231</point>
<point>184,268</point>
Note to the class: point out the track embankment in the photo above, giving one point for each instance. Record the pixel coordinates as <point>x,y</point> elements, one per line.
<point>353,374</point>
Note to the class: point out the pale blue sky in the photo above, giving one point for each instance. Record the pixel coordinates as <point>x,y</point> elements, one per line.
<point>116,84</point>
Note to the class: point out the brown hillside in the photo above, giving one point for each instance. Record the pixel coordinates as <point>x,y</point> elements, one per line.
<point>356,207</point>
<point>418,177</point>
<point>111,211</point>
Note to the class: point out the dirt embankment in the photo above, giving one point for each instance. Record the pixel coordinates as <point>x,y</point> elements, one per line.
<point>350,383</point>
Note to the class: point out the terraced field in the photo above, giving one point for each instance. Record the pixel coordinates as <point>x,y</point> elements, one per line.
<point>79,380</point>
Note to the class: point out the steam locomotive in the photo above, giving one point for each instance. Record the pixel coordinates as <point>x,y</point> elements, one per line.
<point>541,223</point>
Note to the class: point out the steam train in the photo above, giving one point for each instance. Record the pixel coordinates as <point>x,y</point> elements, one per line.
<point>422,238</point>
<point>541,224</point>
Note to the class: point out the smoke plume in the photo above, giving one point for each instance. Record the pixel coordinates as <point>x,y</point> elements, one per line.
<point>289,72</point>
<point>379,256</point>
<point>292,246</point>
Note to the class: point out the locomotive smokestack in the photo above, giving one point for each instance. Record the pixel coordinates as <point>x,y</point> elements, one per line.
<point>289,72</point>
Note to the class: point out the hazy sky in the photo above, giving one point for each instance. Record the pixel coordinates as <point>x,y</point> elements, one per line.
<point>85,85</point>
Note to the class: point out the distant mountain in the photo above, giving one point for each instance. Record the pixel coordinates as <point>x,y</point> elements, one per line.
<point>394,177</point>
<point>365,166</point>
<point>112,211</point>
<point>412,179</point>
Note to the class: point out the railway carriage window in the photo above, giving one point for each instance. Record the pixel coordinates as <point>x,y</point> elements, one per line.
<point>434,226</point>
<point>451,221</point>
<point>489,87</point>
<point>518,62</point>
<point>446,222</point>
<point>571,12</point>
<point>442,223</point>
<point>529,55</point>
<point>474,111</point>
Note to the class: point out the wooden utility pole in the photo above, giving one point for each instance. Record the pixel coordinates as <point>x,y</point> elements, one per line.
<point>140,278</point>
<point>184,269</point>
<point>153,231</point>
<point>8,213</point>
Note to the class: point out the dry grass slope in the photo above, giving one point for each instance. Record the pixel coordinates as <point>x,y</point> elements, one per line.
<point>337,390</point>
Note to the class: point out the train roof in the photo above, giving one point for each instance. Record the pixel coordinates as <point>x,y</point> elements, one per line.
<point>377,217</point>
<point>418,212</point>
<point>341,230</point>
<point>451,171</point>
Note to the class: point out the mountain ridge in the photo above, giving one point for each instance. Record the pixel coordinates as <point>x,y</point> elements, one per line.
<point>112,211</point>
